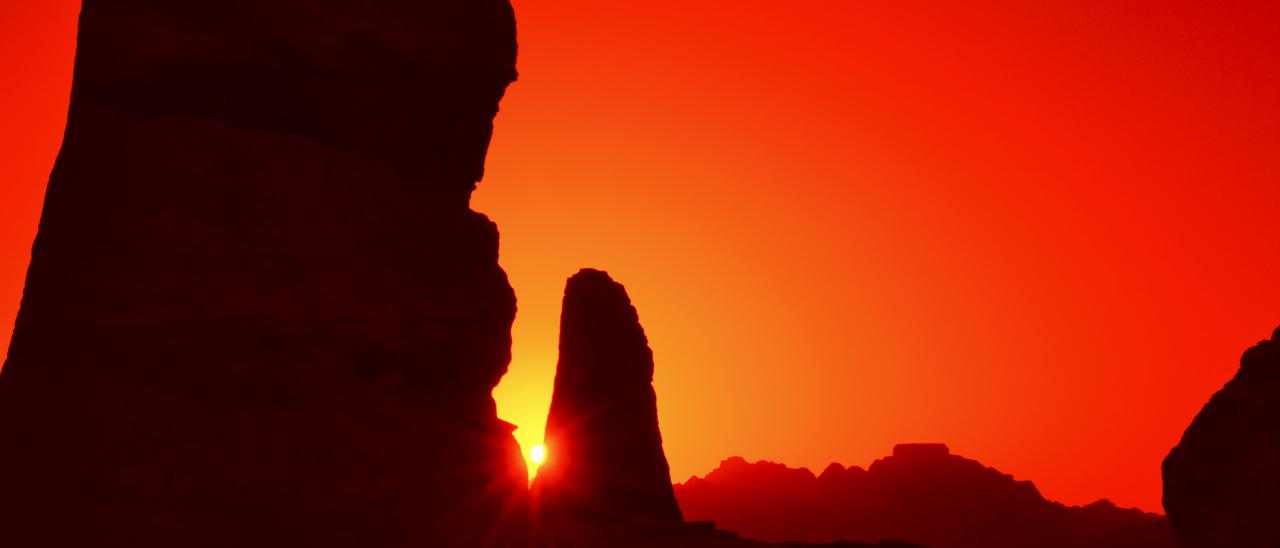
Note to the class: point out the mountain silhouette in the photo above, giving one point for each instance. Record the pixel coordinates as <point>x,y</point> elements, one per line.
<point>922,493</point>
<point>259,309</point>
<point>1222,479</point>
<point>261,313</point>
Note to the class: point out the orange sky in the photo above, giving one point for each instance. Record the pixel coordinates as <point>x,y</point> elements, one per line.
<point>1040,233</point>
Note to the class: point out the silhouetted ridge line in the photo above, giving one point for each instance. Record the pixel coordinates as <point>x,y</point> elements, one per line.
<point>921,494</point>
<point>1222,480</point>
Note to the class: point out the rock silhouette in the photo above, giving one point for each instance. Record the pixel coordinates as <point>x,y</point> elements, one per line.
<point>921,494</point>
<point>260,311</point>
<point>605,461</point>
<point>1222,480</point>
<point>605,482</point>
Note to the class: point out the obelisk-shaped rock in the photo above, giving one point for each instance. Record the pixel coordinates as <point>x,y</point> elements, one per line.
<point>604,449</point>
<point>1222,481</point>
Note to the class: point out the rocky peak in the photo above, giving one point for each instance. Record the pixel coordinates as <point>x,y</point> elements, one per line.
<point>605,460</point>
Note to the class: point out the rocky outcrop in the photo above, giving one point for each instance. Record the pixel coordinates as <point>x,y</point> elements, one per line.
<point>605,481</point>
<point>605,462</point>
<point>1222,481</point>
<point>260,311</point>
<point>921,494</point>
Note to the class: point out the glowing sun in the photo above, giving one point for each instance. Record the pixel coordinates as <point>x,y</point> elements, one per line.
<point>538,454</point>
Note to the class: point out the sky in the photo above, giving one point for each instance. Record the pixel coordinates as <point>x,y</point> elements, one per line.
<point>1040,232</point>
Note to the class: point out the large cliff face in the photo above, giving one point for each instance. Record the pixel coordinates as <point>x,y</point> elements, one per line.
<point>260,311</point>
<point>1222,480</point>
<point>606,463</point>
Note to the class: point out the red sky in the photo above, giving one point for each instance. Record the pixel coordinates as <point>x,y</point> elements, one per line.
<point>1041,232</point>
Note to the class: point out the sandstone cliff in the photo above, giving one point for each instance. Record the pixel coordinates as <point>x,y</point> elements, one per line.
<point>260,311</point>
<point>1222,479</point>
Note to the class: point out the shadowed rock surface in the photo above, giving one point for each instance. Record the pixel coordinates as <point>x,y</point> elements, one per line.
<point>920,494</point>
<point>605,462</point>
<point>684,536</point>
<point>1222,481</point>
<point>260,311</point>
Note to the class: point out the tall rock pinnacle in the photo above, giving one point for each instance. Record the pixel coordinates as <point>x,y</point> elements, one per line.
<point>1222,481</point>
<point>260,311</point>
<point>605,460</point>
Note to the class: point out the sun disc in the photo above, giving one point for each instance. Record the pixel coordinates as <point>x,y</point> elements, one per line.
<point>538,453</point>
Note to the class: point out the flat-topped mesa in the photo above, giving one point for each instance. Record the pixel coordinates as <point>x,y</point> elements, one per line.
<point>921,451</point>
<point>1221,480</point>
<point>260,311</point>
<point>605,461</point>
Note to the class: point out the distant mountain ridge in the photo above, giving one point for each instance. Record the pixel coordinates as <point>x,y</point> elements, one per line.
<point>922,493</point>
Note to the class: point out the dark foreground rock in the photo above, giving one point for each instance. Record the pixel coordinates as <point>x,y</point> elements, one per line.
<point>260,311</point>
<point>921,494</point>
<point>696,535</point>
<point>605,461</point>
<point>1222,481</point>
